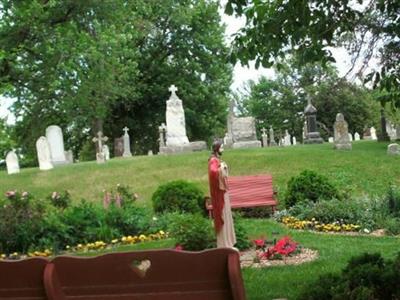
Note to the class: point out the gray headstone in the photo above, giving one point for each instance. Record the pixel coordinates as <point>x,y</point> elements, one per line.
<point>69,155</point>
<point>373,134</point>
<point>127,144</point>
<point>106,152</point>
<point>55,139</point>
<point>43,153</point>
<point>341,132</point>
<point>393,149</point>
<point>12,163</point>
<point>118,147</point>
<point>356,136</point>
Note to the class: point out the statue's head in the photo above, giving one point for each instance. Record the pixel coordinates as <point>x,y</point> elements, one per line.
<point>217,147</point>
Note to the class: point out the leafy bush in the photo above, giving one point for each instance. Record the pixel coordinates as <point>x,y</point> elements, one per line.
<point>60,200</point>
<point>20,221</point>
<point>392,199</point>
<point>242,240</point>
<point>367,276</point>
<point>309,186</point>
<point>180,195</point>
<point>120,196</point>
<point>256,212</point>
<point>392,226</point>
<point>192,231</point>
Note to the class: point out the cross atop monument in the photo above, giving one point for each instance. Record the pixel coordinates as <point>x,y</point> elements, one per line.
<point>99,139</point>
<point>264,131</point>
<point>162,127</point>
<point>173,89</point>
<point>125,129</point>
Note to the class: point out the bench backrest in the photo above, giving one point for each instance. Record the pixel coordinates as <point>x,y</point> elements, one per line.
<point>250,191</point>
<point>210,274</point>
<point>23,279</point>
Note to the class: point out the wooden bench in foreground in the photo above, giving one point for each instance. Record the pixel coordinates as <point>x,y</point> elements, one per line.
<point>147,275</point>
<point>23,279</point>
<point>250,191</point>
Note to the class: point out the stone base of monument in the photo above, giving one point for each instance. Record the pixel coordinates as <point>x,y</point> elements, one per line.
<point>191,147</point>
<point>313,138</point>
<point>246,144</point>
<point>342,146</point>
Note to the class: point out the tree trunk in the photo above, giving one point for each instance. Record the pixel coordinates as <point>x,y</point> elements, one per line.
<point>383,136</point>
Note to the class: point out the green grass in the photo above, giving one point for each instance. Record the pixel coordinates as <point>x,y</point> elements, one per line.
<point>367,169</point>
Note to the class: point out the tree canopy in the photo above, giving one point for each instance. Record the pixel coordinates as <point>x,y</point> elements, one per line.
<point>90,65</point>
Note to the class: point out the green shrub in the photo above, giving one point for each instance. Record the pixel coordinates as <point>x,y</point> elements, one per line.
<point>392,199</point>
<point>242,239</point>
<point>60,200</point>
<point>392,226</point>
<point>309,186</point>
<point>180,195</point>
<point>256,212</point>
<point>367,276</point>
<point>20,220</point>
<point>192,231</point>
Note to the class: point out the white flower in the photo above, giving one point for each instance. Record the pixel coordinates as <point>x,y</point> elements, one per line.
<point>366,230</point>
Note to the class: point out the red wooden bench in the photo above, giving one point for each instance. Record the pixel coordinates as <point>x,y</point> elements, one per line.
<point>174,275</point>
<point>250,191</point>
<point>23,279</point>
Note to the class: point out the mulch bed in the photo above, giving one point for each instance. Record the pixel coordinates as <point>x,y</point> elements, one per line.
<point>305,255</point>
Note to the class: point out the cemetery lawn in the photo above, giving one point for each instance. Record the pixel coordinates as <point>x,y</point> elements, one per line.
<point>367,169</point>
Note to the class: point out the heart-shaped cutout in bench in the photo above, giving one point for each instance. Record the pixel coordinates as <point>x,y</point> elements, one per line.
<point>140,267</point>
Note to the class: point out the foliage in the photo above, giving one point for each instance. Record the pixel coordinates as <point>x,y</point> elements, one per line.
<point>280,102</point>
<point>6,141</point>
<point>121,196</point>
<point>178,195</point>
<point>392,226</point>
<point>256,212</point>
<point>60,200</point>
<point>20,220</point>
<point>283,247</point>
<point>309,186</point>
<point>96,65</point>
<point>271,32</point>
<point>367,276</point>
<point>193,232</point>
<point>392,199</point>
<point>242,239</point>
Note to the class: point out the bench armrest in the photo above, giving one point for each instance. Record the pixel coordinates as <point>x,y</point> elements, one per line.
<point>235,277</point>
<point>52,284</point>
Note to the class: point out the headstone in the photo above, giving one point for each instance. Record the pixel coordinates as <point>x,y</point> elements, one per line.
<point>118,147</point>
<point>356,136</point>
<point>391,131</point>
<point>312,136</point>
<point>100,157</point>
<point>373,134</point>
<point>161,131</point>
<point>69,156</point>
<point>341,132</point>
<point>264,137</point>
<point>56,143</point>
<point>330,139</point>
<point>175,116</point>
<point>106,152</point>
<point>43,153</point>
<point>398,132</point>
<point>12,163</point>
<point>393,149</point>
<point>175,132</point>
<point>294,141</point>
<point>127,144</point>
<point>350,137</point>
<point>367,134</point>
<point>271,137</point>
<point>150,153</point>
<point>244,133</point>
<point>286,139</point>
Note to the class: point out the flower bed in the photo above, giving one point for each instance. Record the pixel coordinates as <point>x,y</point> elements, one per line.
<point>313,224</point>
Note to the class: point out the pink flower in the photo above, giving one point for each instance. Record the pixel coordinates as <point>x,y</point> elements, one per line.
<point>118,200</point>
<point>10,194</point>
<point>55,195</point>
<point>106,199</point>
<point>259,243</point>
<point>178,247</point>
<point>24,194</point>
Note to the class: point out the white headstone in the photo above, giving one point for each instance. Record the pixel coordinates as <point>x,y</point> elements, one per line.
<point>330,139</point>
<point>294,140</point>
<point>43,153</point>
<point>356,136</point>
<point>56,143</point>
<point>286,139</point>
<point>12,163</point>
<point>393,149</point>
<point>106,152</point>
<point>150,153</point>
<point>350,137</point>
<point>373,134</point>
<point>127,144</point>
<point>175,116</point>
<point>100,156</point>
<point>69,155</point>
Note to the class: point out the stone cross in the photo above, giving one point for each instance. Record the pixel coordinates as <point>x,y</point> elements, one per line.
<point>161,130</point>
<point>127,143</point>
<point>173,89</point>
<point>264,131</point>
<point>99,139</point>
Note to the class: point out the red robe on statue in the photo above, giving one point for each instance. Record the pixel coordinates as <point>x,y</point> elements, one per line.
<point>217,195</point>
